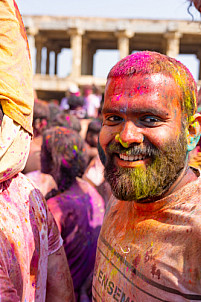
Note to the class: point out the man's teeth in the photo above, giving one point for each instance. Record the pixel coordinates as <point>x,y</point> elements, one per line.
<point>132,157</point>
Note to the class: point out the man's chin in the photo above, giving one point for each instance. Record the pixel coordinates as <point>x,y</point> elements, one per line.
<point>127,185</point>
<point>140,194</point>
<point>138,184</point>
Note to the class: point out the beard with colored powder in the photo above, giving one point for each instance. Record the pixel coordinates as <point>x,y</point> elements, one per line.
<point>144,184</point>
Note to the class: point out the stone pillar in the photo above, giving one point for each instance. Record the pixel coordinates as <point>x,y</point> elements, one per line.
<point>172,43</point>
<point>76,46</point>
<point>123,37</point>
<point>56,52</point>
<point>85,56</point>
<point>88,52</point>
<point>48,61</point>
<point>91,54</point>
<point>31,33</point>
<point>39,46</point>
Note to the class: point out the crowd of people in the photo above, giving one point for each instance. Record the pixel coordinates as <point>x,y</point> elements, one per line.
<point>52,148</point>
<point>60,165</point>
<point>99,201</point>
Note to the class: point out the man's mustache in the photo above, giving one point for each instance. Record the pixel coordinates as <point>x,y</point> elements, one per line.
<point>146,150</point>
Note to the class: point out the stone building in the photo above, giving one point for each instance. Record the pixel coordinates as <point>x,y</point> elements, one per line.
<point>84,36</point>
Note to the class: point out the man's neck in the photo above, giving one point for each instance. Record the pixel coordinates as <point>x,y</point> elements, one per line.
<point>186,176</point>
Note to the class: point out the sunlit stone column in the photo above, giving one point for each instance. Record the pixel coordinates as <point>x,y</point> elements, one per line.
<point>85,56</point>
<point>88,52</point>
<point>172,44</point>
<point>123,37</point>
<point>31,33</point>
<point>39,46</point>
<point>92,52</point>
<point>76,46</point>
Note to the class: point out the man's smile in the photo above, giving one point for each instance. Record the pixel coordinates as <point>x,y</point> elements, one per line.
<point>132,157</point>
<point>131,161</point>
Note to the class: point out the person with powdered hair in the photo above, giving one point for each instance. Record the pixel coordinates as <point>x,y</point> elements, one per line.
<point>33,265</point>
<point>77,207</point>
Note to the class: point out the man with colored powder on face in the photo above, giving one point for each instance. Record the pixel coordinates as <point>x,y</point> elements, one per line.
<point>149,244</point>
<point>33,264</point>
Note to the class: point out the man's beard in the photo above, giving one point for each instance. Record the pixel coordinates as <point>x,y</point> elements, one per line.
<point>139,183</point>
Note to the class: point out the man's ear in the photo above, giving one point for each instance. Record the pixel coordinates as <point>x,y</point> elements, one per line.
<point>193,132</point>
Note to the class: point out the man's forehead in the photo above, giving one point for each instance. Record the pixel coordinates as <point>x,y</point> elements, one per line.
<point>141,84</point>
<point>142,93</point>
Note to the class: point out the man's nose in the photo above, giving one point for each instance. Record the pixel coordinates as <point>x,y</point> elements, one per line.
<point>130,134</point>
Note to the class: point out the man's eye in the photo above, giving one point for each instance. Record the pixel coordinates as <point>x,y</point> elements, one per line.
<point>114,118</point>
<point>152,120</point>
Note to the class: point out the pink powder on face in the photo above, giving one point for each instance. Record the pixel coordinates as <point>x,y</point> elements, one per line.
<point>116,98</point>
<point>148,63</point>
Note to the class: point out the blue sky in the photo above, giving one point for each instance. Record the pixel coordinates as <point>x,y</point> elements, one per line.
<point>159,9</point>
<point>152,9</point>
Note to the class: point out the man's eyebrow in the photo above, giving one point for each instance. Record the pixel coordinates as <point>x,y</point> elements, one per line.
<point>111,110</point>
<point>154,111</point>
